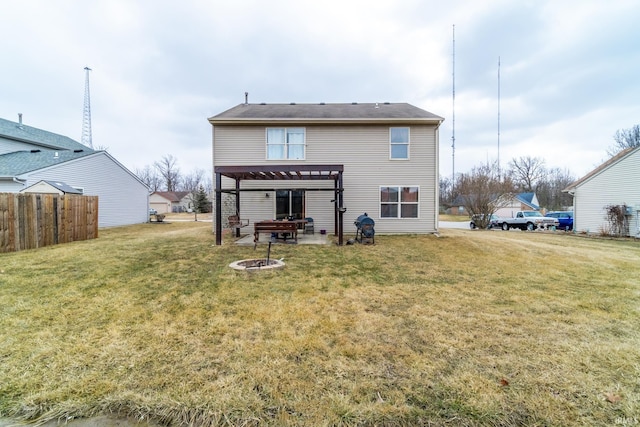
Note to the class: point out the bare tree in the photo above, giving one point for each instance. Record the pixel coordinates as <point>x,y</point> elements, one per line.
<point>527,172</point>
<point>549,189</point>
<point>445,191</point>
<point>169,171</point>
<point>483,191</point>
<point>625,138</point>
<point>149,176</point>
<point>193,181</point>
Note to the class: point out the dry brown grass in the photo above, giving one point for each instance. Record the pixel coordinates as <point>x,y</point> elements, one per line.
<point>472,328</point>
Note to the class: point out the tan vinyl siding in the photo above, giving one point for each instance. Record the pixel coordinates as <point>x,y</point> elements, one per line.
<point>364,152</point>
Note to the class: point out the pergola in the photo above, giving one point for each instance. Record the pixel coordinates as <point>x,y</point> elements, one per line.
<point>280,173</point>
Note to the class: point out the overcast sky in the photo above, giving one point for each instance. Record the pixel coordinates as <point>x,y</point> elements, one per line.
<point>569,73</point>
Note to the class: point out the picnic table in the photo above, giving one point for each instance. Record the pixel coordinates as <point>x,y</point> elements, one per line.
<point>287,228</point>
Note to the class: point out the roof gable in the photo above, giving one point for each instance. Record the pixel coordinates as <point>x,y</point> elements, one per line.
<point>604,166</point>
<point>327,113</point>
<point>38,137</point>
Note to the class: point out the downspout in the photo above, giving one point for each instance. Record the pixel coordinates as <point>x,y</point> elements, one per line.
<point>573,195</point>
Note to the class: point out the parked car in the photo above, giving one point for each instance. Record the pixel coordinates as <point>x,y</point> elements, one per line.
<point>564,217</point>
<point>476,219</point>
<point>153,211</point>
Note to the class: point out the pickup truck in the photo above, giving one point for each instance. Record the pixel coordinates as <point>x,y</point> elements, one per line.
<point>529,220</point>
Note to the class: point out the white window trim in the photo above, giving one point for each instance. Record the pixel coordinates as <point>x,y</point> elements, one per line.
<point>399,203</point>
<point>408,144</point>
<point>266,143</point>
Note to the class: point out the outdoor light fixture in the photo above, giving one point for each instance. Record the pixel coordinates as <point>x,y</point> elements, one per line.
<point>266,195</point>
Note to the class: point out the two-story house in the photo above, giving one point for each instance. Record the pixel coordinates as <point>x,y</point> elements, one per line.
<point>331,162</point>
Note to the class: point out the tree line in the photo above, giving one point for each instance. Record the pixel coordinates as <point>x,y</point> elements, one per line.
<point>487,187</point>
<point>481,187</point>
<point>523,175</point>
<point>165,175</point>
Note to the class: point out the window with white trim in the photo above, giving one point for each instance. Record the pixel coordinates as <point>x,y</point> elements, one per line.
<point>285,143</point>
<point>399,202</point>
<point>399,143</point>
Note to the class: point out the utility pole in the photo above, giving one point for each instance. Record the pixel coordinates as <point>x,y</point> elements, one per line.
<point>86,113</point>
<point>453,116</point>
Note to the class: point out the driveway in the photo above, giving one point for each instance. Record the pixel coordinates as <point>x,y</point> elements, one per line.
<point>454,224</point>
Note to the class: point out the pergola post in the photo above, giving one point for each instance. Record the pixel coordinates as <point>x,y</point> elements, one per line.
<point>218,217</point>
<point>238,204</point>
<point>341,211</point>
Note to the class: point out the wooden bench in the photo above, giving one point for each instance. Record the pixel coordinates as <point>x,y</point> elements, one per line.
<point>274,227</point>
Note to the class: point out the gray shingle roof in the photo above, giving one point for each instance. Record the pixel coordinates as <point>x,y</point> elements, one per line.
<point>50,140</point>
<point>20,162</point>
<point>326,112</point>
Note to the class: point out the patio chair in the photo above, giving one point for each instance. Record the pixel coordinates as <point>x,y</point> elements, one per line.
<point>308,227</point>
<point>236,222</point>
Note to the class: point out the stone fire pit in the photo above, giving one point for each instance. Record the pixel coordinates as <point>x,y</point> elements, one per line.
<point>259,264</point>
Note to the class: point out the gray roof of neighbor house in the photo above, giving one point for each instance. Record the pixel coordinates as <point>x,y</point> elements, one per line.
<point>172,196</point>
<point>20,162</point>
<point>62,186</point>
<point>527,199</point>
<point>47,140</point>
<point>327,113</point>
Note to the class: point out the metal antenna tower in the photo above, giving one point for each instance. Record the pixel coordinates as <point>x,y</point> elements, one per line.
<point>453,116</point>
<point>86,113</point>
<point>498,115</point>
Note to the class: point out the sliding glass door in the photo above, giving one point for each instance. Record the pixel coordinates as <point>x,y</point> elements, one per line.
<point>289,203</point>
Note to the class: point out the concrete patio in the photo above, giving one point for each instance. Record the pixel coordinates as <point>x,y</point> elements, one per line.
<point>303,239</point>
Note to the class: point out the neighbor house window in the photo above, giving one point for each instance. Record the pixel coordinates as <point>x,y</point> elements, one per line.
<point>399,202</point>
<point>285,143</point>
<point>399,143</point>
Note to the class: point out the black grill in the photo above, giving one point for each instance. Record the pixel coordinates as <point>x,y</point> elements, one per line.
<point>365,230</point>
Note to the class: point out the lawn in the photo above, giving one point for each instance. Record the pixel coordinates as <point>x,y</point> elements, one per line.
<point>472,328</point>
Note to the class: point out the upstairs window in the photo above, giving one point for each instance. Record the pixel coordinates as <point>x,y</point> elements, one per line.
<point>285,143</point>
<point>399,202</point>
<point>399,143</point>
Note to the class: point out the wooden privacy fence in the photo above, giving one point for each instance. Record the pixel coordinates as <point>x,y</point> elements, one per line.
<point>30,220</point>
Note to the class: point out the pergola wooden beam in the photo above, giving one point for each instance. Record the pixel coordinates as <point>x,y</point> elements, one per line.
<point>280,173</point>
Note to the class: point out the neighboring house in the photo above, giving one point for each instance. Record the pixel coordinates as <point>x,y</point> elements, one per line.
<point>331,162</point>
<point>51,187</point>
<point>29,156</point>
<point>457,207</point>
<point>170,201</point>
<point>520,202</point>
<point>615,182</point>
